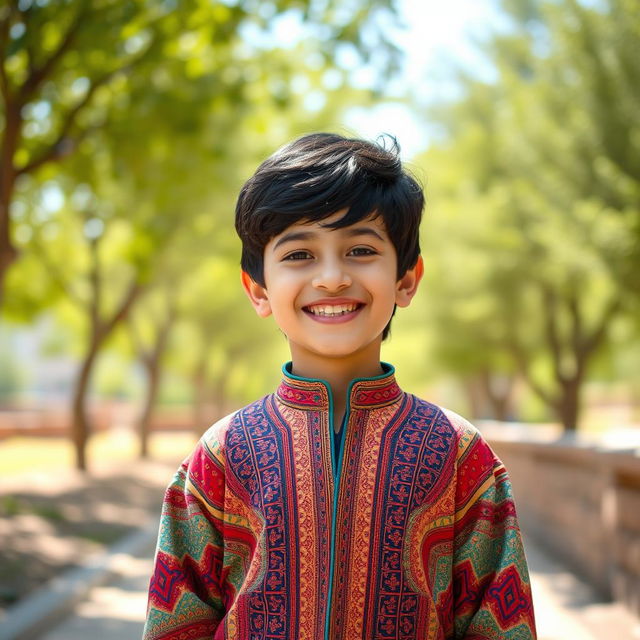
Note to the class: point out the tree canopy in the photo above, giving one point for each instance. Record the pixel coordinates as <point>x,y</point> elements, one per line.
<point>538,180</point>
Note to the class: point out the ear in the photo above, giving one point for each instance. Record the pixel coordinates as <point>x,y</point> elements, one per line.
<point>407,286</point>
<point>257,294</point>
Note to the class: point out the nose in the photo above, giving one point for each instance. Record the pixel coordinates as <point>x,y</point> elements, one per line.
<point>331,276</point>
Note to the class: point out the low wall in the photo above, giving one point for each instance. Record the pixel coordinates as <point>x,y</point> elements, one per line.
<point>582,502</point>
<point>56,421</point>
<point>44,423</point>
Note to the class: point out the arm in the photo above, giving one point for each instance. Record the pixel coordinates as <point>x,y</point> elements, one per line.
<point>186,593</point>
<point>492,591</point>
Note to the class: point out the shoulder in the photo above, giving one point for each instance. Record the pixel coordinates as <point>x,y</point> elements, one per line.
<point>206,466</point>
<point>216,437</point>
<point>471,443</point>
<point>478,466</point>
<point>462,434</point>
<point>443,419</point>
<point>466,432</point>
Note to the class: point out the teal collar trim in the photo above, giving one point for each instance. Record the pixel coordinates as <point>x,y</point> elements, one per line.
<point>315,394</point>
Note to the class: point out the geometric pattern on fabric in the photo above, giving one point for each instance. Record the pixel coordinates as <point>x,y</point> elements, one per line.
<point>163,584</point>
<point>408,532</point>
<point>466,585</point>
<point>508,597</point>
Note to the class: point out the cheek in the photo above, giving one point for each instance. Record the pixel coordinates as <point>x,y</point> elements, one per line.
<point>283,297</point>
<point>387,289</point>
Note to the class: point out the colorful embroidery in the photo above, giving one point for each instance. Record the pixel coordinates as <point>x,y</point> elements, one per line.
<point>416,537</point>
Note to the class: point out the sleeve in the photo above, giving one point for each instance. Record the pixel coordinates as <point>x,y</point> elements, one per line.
<point>492,589</point>
<point>186,588</point>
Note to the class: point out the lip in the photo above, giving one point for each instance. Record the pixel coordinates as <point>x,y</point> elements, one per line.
<point>346,317</point>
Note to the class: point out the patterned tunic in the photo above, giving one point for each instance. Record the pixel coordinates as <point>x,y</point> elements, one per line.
<point>405,529</point>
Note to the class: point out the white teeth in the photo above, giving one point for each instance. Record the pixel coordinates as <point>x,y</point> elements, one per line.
<point>331,309</point>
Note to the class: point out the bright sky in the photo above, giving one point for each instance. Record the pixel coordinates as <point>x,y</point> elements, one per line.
<point>436,34</point>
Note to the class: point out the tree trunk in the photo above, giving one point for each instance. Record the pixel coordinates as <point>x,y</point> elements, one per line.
<point>100,331</point>
<point>199,395</point>
<point>81,425</point>
<point>218,399</point>
<point>153,385</point>
<point>475,396</point>
<point>153,365</point>
<point>500,408</point>
<point>8,256</point>
<point>568,408</point>
<point>8,252</point>
<point>580,345</point>
<point>497,392</point>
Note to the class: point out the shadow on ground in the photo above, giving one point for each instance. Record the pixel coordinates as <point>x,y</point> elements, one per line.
<point>56,521</point>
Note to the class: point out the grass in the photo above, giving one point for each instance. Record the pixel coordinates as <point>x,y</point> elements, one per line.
<point>48,513</point>
<point>12,506</point>
<point>26,454</point>
<point>106,536</point>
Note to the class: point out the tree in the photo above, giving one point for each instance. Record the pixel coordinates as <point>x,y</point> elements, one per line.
<point>99,250</point>
<point>66,67</point>
<point>534,155</point>
<point>51,71</point>
<point>150,353</point>
<point>132,96</point>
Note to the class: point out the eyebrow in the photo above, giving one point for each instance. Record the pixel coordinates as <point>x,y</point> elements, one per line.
<point>294,235</point>
<point>309,235</point>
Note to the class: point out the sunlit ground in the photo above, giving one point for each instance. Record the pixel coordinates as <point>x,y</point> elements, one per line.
<point>23,454</point>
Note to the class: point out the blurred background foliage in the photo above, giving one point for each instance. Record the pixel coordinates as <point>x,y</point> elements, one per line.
<point>129,127</point>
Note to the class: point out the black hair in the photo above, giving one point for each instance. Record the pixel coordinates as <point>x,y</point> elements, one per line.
<point>319,174</point>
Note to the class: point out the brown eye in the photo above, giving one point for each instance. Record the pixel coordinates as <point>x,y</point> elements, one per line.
<point>362,251</point>
<point>298,255</point>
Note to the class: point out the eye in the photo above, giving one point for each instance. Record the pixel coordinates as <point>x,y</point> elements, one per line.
<point>298,255</point>
<point>362,251</point>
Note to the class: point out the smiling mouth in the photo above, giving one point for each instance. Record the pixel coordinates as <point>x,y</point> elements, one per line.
<point>332,310</point>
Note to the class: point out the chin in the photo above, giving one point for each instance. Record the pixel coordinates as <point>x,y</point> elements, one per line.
<point>334,351</point>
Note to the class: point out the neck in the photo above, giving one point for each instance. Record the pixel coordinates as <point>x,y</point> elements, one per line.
<point>337,374</point>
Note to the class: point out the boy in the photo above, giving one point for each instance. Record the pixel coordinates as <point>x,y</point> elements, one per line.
<point>338,507</point>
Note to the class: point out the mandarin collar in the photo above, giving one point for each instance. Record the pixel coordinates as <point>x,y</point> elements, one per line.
<point>315,394</point>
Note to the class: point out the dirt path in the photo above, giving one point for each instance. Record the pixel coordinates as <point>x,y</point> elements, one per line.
<point>50,522</point>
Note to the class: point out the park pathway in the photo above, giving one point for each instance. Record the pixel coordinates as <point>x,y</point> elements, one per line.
<point>566,608</point>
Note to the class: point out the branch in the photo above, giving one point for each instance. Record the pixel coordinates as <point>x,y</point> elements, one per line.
<point>134,290</point>
<point>26,15</point>
<point>61,146</point>
<point>56,275</point>
<point>164,331</point>
<point>523,366</point>
<point>593,341</point>
<point>151,355</point>
<point>577,338</point>
<point>551,330</point>
<point>39,74</point>
<point>5,23</point>
<point>95,279</point>
<point>64,144</point>
<point>143,354</point>
<point>544,395</point>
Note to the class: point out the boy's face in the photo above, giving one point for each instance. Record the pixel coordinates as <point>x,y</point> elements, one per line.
<point>332,291</point>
